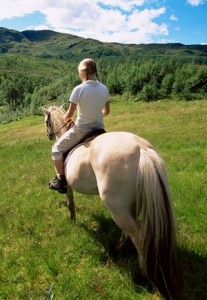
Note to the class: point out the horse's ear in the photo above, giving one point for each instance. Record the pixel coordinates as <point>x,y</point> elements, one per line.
<point>45,110</point>
<point>62,106</point>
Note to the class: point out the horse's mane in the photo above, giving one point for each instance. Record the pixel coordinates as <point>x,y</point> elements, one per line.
<point>59,111</point>
<point>53,107</point>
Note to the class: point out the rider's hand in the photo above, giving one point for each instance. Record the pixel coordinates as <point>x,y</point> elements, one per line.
<point>67,119</point>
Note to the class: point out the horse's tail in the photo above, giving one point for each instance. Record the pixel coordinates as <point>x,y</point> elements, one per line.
<point>157,224</point>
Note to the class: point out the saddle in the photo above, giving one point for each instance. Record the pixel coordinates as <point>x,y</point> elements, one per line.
<point>91,135</point>
<point>87,138</point>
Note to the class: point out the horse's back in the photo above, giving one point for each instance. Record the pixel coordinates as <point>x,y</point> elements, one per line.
<point>120,141</point>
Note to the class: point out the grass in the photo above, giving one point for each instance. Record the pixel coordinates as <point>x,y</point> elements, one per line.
<point>45,256</point>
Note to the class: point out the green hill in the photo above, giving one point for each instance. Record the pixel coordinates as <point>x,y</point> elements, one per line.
<point>51,44</point>
<point>38,67</point>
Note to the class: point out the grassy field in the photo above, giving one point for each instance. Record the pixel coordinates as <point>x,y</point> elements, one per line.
<point>44,256</point>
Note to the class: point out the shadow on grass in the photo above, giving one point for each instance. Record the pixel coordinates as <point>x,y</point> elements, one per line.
<point>193,267</point>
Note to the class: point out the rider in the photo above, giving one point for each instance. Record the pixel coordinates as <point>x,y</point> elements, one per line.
<point>91,99</point>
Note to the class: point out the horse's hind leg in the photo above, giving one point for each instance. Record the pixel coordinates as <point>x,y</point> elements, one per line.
<point>129,226</point>
<point>122,241</point>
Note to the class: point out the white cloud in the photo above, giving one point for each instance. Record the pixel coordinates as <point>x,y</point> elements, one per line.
<point>123,4</point>
<point>19,8</point>
<point>173,18</point>
<point>194,2</point>
<point>38,27</point>
<point>105,20</point>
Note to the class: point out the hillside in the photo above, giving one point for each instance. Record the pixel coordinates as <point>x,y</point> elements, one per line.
<point>51,44</point>
<point>38,67</point>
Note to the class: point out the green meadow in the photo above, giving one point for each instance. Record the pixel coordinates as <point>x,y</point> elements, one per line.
<point>45,256</point>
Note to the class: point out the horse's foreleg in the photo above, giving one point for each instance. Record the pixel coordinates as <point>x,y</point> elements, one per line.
<point>70,203</point>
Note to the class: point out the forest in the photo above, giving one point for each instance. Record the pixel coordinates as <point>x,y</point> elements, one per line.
<point>30,77</point>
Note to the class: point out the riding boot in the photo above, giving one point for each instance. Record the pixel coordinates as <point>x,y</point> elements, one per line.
<point>59,184</point>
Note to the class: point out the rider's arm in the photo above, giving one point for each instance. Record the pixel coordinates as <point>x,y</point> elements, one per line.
<point>70,112</point>
<point>106,109</point>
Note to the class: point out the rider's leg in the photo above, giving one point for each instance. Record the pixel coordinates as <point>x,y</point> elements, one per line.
<point>59,182</point>
<point>59,167</point>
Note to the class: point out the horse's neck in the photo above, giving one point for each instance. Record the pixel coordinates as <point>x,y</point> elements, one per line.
<point>58,122</point>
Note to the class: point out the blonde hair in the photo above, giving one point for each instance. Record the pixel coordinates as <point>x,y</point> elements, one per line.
<point>88,65</point>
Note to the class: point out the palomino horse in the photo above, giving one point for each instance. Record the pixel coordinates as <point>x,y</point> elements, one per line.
<point>130,178</point>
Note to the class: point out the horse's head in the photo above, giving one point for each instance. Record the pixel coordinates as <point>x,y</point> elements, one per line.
<point>54,121</point>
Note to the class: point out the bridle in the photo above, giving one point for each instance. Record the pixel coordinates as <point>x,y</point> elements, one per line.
<point>50,132</point>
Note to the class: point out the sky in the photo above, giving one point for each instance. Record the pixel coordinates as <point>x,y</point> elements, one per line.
<point>121,21</point>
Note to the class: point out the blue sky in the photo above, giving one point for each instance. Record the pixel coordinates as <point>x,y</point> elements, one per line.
<point>122,21</point>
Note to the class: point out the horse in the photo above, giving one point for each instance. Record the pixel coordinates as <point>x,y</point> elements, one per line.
<point>130,178</point>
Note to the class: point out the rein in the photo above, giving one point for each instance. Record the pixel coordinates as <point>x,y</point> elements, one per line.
<point>51,133</point>
<point>60,128</point>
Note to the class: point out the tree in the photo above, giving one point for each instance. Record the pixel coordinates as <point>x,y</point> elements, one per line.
<point>166,86</point>
<point>15,92</point>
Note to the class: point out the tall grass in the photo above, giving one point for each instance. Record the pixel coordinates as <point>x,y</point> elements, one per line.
<point>45,256</point>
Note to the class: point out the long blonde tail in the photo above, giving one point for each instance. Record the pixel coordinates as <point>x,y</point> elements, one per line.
<point>157,225</point>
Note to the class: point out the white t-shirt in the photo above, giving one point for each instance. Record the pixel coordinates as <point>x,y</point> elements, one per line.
<point>90,97</point>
